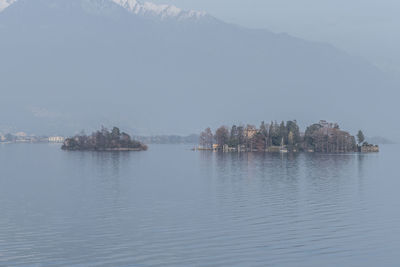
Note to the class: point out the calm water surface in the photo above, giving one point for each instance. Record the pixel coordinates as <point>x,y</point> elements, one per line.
<point>170,206</point>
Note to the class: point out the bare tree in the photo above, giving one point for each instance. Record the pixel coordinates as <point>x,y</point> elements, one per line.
<point>222,136</point>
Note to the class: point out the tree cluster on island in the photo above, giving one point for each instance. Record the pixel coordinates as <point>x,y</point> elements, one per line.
<point>322,137</point>
<point>104,140</point>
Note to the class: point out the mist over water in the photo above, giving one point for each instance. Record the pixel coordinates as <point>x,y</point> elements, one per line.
<point>170,206</point>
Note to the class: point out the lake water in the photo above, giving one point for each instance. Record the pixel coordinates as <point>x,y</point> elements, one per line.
<point>171,206</point>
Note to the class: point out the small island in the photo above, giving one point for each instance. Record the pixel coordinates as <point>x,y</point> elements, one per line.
<point>103,140</point>
<point>322,137</point>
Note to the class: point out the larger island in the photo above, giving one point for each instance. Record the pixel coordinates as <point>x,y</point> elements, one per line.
<point>323,137</point>
<point>103,140</point>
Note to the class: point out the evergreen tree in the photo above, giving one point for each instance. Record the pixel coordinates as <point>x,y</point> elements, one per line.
<point>115,133</point>
<point>264,134</point>
<point>241,137</point>
<point>270,133</point>
<point>234,138</point>
<point>275,134</point>
<point>360,137</point>
<point>291,126</point>
<point>291,141</point>
<point>283,133</point>
<point>263,129</point>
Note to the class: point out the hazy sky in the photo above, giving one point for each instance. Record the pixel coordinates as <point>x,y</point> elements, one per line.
<point>367,28</point>
<point>274,76</point>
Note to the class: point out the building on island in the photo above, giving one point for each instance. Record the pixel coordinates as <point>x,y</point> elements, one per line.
<point>250,131</point>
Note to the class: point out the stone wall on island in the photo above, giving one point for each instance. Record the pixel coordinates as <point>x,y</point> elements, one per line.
<point>369,149</point>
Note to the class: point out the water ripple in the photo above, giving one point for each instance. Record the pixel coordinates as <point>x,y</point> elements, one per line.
<point>172,207</point>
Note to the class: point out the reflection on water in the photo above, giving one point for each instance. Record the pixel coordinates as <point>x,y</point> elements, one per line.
<point>170,206</point>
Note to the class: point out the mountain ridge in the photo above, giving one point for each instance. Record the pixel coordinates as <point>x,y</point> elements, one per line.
<point>96,65</point>
<point>146,9</point>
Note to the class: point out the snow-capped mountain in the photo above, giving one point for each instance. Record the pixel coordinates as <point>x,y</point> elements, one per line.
<point>161,11</point>
<point>5,3</point>
<point>146,9</point>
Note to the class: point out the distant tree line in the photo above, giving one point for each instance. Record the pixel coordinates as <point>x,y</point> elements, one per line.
<point>103,140</point>
<point>319,137</point>
<point>10,138</point>
<point>169,139</point>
